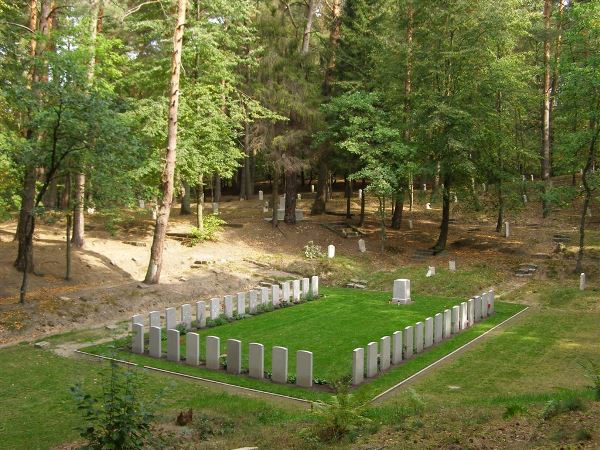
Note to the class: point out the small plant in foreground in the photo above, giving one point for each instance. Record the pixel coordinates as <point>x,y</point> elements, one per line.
<point>211,225</point>
<point>313,251</point>
<point>514,410</point>
<point>117,418</point>
<point>551,409</point>
<point>592,371</point>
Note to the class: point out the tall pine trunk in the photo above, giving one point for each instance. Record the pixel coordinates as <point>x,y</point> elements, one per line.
<point>164,208</point>
<point>78,218</point>
<point>186,208</point>
<point>546,109</point>
<point>440,245</point>
<point>200,202</point>
<point>291,192</point>
<point>399,206</point>
<point>320,202</point>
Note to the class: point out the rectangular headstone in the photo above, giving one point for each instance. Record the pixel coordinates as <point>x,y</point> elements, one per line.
<point>401,293</point>
<point>452,266</point>
<point>419,337</point>
<point>408,342</point>
<point>455,319</point>
<point>201,314</point>
<point>213,352</point>
<point>582,281</point>
<point>438,328</point>
<point>276,295</point>
<point>396,347</point>
<point>385,352</point>
<point>471,312</point>
<point>304,368</point>
<point>186,315</point>
<point>264,296</point>
<point>464,318</point>
<point>314,284</point>
<point>241,303</point>
<point>358,365</point>
<point>491,301</point>
<point>228,305</point>
<point>215,308</point>
<point>154,318</point>
<point>362,246</point>
<point>484,305</point>
<point>173,345</point>
<point>171,318</point>
<point>371,359</point>
<point>137,319</point>
<point>279,365</point>
<point>285,292</point>
<point>137,343</point>
<point>192,349</point>
<point>477,309</point>
<point>305,287</point>
<point>260,195</point>
<point>256,360</point>
<point>296,290</point>
<point>331,251</point>
<point>155,345</point>
<point>234,356</point>
<point>447,332</point>
<point>428,332</point>
<point>252,301</point>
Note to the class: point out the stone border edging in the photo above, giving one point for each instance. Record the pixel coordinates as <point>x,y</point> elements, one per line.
<point>233,387</point>
<point>379,397</point>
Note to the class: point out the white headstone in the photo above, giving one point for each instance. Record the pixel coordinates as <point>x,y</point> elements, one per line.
<point>228,305</point>
<point>362,247</point>
<point>408,338</point>
<point>276,295</point>
<point>285,291</point>
<point>305,287</point>
<point>371,359</point>
<point>299,196</point>
<point>523,177</point>
<point>455,198</point>
<point>410,224</point>
<point>279,363</point>
<point>531,177</point>
<point>314,284</point>
<point>428,332</point>
<point>260,195</point>
<point>524,198</point>
<point>171,319</point>
<point>471,312</point>
<point>252,301</point>
<point>304,368</point>
<point>427,205</point>
<point>358,365</point>
<point>360,194</point>
<point>455,319</point>
<point>331,251</point>
<point>155,345</point>
<point>424,187</point>
<point>477,308</point>
<point>213,352</point>
<point>396,347</point>
<point>137,319</point>
<point>137,343</point>
<point>215,208</point>
<point>438,328</point>
<point>141,204</point>
<point>186,315</point>
<point>201,314</point>
<point>484,305</point>
<point>491,301</point>
<point>464,317</point>
<point>430,271</point>
<point>419,337</point>
<point>215,308</point>
<point>192,349</point>
<point>296,290</point>
<point>234,356</point>
<point>401,293</point>
<point>506,229</point>
<point>264,296</point>
<point>582,281</point>
<point>256,361</point>
<point>241,303</point>
<point>385,352</point>
<point>154,318</point>
<point>312,188</point>
<point>282,202</point>
<point>447,331</point>
<point>452,265</point>
<point>173,345</point>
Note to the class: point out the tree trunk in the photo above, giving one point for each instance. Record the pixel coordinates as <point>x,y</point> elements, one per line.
<point>586,200</point>
<point>24,251</point>
<point>291,193</point>
<point>200,202</point>
<point>164,208</point>
<point>65,197</point>
<point>247,170</point>
<point>68,272</point>
<point>362,208</point>
<point>546,118</point>
<point>398,209</point>
<point>275,196</point>
<point>217,189</point>
<point>49,200</point>
<point>310,10</point>
<point>186,208</point>
<point>443,237</point>
<point>348,194</point>
<point>382,233</point>
<point>500,208</point>
<point>78,218</point>
<point>320,202</point>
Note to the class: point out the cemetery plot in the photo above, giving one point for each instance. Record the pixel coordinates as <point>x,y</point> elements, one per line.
<point>331,328</point>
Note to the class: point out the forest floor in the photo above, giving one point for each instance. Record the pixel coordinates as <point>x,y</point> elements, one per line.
<point>106,286</point>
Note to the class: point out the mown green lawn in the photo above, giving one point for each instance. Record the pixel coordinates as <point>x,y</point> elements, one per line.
<point>331,327</point>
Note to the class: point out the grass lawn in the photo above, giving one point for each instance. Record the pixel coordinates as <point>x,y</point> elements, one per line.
<point>331,328</point>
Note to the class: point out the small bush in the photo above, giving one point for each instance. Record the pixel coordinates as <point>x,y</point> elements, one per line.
<point>182,329</point>
<point>572,403</point>
<point>313,251</point>
<point>592,371</point>
<point>551,409</point>
<point>514,410</point>
<point>211,225</point>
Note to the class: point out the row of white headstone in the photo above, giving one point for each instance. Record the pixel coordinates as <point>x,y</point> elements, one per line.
<point>286,292</point>
<point>212,357</point>
<point>404,344</point>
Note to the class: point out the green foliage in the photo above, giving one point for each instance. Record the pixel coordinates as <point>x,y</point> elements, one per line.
<point>118,418</point>
<point>211,225</point>
<point>513,410</point>
<point>592,372</point>
<point>206,426</point>
<point>313,251</point>
<point>554,407</point>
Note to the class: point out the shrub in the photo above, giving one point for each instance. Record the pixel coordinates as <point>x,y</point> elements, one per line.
<point>514,410</point>
<point>182,329</point>
<point>551,409</point>
<point>313,251</point>
<point>211,225</point>
<point>592,371</point>
<point>117,418</point>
